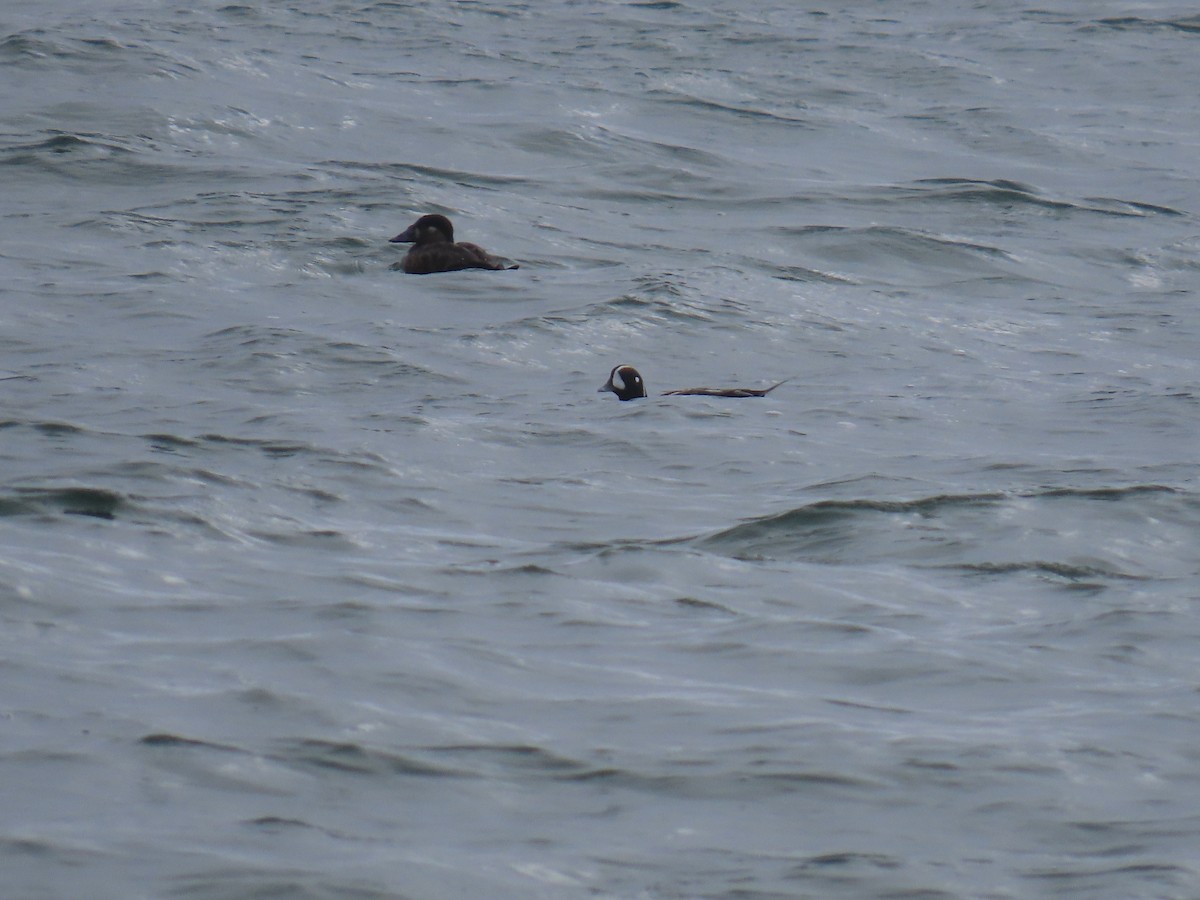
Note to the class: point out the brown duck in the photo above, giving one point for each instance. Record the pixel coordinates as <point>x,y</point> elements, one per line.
<point>434,249</point>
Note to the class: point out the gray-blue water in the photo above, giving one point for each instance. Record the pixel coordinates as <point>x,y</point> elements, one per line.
<point>319,580</point>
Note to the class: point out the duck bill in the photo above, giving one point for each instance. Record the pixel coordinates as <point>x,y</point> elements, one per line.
<point>407,236</point>
<point>607,386</point>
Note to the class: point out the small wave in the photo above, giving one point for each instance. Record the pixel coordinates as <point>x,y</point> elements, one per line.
<point>275,448</point>
<point>1065,571</point>
<point>176,741</point>
<point>58,144</point>
<point>849,859</point>
<point>654,309</point>
<point>169,443</point>
<point>19,47</point>
<point>721,784</point>
<point>97,503</point>
<point>356,759</point>
<point>275,824</point>
<point>745,111</point>
<point>426,174</point>
<point>48,852</point>
<point>1190,24</point>
<point>1115,493</point>
<point>903,239</point>
<point>654,299</point>
<point>806,275</point>
<point>26,47</point>
<point>987,533</point>
<point>92,156</point>
<point>894,255</point>
<point>1002,192</point>
<point>719,94</point>
<point>307,539</point>
<point>57,429</point>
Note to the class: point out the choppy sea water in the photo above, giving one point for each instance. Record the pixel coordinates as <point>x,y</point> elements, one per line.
<point>320,580</point>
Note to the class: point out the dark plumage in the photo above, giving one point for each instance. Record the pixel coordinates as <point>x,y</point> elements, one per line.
<point>626,382</point>
<point>434,249</point>
<point>725,392</point>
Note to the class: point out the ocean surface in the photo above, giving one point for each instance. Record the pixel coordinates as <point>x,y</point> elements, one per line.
<point>319,580</point>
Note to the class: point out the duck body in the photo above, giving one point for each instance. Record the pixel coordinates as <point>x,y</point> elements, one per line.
<point>723,392</point>
<point>626,382</point>
<point>435,250</point>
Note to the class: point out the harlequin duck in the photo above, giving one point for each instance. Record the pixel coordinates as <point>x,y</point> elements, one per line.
<point>626,382</point>
<point>434,249</point>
